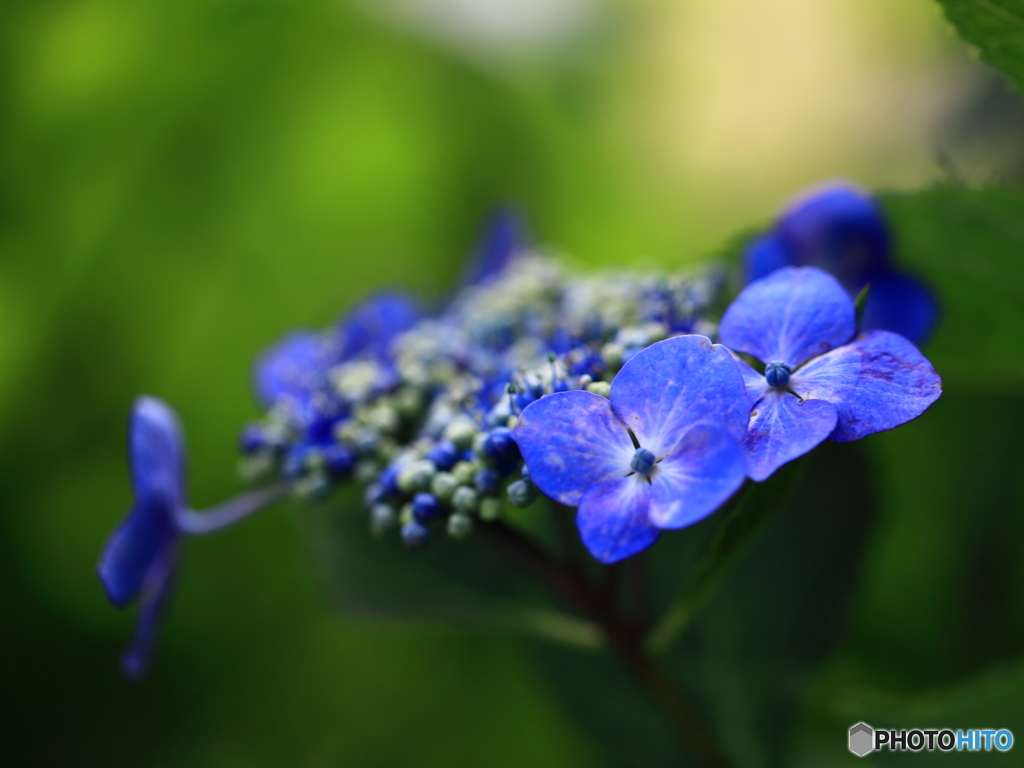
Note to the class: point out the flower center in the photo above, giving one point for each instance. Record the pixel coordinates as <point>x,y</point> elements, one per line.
<point>643,461</point>
<point>777,374</point>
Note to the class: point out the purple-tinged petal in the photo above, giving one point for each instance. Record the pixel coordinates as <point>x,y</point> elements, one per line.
<point>704,471</point>
<point>612,518</point>
<point>501,242</point>
<point>156,452</point>
<point>157,456</point>
<point>764,255</point>
<point>876,382</point>
<point>156,599</point>
<point>131,550</point>
<point>675,383</point>
<point>902,304</point>
<point>838,228</point>
<point>755,383</point>
<point>782,427</point>
<point>374,323</point>
<point>571,441</point>
<point>293,368</point>
<point>793,314</point>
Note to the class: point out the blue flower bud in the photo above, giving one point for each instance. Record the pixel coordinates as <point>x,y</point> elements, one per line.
<point>425,507</point>
<point>252,440</point>
<point>338,459</point>
<point>499,443</point>
<point>487,481</point>
<point>374,494</point>
<point>444,455</point>
<point>777,374</point>
<point>415,534</point>
<point>643,461</point>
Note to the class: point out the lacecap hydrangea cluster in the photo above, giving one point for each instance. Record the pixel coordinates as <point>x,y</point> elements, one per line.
<point>625,395</point>
<point>421,408</point>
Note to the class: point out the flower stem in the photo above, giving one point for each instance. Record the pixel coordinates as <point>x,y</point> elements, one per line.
<point>601,604</point>
<point>231,511</point>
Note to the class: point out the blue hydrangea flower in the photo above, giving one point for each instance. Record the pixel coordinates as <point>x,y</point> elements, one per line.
<point>818,383</point>
<point>140,559</point>
<point>842,230</point>
<point>662,452</point>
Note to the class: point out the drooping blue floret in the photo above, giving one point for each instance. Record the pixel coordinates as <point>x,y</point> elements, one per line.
<point>841,229</point>
<point>844,388</point>
<point>139,560</point>
<point>685,402</point>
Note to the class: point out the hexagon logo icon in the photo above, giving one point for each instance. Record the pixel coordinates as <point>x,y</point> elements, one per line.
<point>862,739</point>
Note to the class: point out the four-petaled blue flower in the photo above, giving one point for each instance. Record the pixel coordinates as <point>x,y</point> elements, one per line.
<point>140,559</point>
<point>816,385</point>
<point>841,229</point>
<point>662,452</point>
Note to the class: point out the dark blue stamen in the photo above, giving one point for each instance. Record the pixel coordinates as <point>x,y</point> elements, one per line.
<point>777,374</point>
<point>643,461</point>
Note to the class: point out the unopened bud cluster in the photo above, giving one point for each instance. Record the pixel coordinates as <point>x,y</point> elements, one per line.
<point>423,418</point>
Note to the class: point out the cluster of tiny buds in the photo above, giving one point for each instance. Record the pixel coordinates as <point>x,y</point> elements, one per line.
<point>427,428</point>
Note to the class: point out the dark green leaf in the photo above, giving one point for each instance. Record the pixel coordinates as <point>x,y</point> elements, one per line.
<point>995,28</point>
<point>969,244</point>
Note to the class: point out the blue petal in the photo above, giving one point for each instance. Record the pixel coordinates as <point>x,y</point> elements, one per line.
<point>159,590</point>
<point>665,389</point>
<point>156,452</point>
<point>374,323</point>
<point>755,383</point>
<point>704,471</point>
<point>293,369</point>
<point>876,382</point>
<point>901,304</point>
<point>131,550</point>
<point>789,316</point>
<point>782,427</point>
<point>838,228</point>
<point>571,441</point>
<point>763,256</point>
<point>612,518</point>
<point>502,241</point>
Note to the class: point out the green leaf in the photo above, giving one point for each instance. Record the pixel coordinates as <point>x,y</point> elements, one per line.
<point>995,28</point>
<point>969,244</point>
<point>467,583</point>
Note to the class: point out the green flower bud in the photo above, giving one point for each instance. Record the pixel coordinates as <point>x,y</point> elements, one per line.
<point>460,526</point>
<point>443,485</point>
<point>416,476</point>
<point>461,431</point>
<point>602,388</point>
<point>464,471</point>
<point>465,499</point>
<point>490,509</point>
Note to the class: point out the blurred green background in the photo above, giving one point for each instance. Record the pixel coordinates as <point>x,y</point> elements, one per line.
<point>181,182</point>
